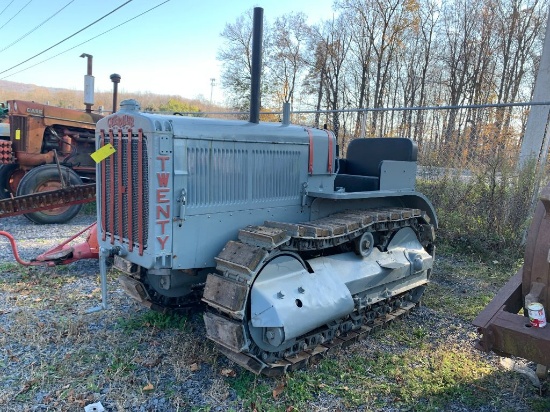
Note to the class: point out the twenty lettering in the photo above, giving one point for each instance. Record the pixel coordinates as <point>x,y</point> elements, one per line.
<point>163,200</point>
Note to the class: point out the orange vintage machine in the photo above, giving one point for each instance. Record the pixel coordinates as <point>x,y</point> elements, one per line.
<point>48,148</point>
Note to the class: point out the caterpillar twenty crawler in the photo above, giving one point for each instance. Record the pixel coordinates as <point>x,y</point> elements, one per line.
<point>292,249</point>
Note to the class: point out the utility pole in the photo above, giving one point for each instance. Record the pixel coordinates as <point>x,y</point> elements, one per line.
<point>536,138</point>
<point>212,84</point>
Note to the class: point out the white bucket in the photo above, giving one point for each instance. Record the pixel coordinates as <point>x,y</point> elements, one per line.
<point>537,317</point>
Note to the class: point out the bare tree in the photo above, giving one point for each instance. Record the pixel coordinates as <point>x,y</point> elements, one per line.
<point>519,26</point>
<point>337,42</point>
<point>236,58</point>
<point>287,56</point>
<point>461,22</point>
<point>388,53</point>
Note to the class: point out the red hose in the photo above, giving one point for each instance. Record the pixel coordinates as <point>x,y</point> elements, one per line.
<point>16,253</point>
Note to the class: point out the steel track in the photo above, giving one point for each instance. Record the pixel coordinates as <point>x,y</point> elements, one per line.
<point>239,263</point>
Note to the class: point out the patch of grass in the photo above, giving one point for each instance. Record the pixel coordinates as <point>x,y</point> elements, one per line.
<point>10,267</point>
<point>89,208</point>
<point>253,390</point>
<point>463,304</point>
<point>427,379</point>
<point>463,286</point>
<point>539,404</point>
<point>393,334</point>
<point>121,362</point>
<point>151,319</point>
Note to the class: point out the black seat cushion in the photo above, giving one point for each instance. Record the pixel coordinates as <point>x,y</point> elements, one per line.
<point>360,170</point>
<point>364,155</point>
<point>355,183</point>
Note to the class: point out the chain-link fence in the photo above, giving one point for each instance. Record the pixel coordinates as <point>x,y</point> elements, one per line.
<point>468,166</point>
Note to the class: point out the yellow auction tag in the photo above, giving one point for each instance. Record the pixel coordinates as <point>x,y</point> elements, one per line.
<point>17,134</point>
<point>103,153</point>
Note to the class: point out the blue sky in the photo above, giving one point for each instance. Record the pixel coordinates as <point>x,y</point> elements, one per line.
<point>170,50</point>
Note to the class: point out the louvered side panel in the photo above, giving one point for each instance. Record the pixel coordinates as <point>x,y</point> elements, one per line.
<point>276,175</point>
<point>216,176</point>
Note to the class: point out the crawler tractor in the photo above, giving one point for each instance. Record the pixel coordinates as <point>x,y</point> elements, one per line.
<point>291,249</point>
<point>44,143</point>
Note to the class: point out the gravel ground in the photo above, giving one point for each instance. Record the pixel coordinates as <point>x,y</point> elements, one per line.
<point>54,356</point>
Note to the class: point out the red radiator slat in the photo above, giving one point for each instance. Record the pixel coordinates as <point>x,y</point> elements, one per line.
<point>129,193</point>
<point>103,190</point>
<point>124,190</point>
<point>112,202</point>
<point>120,191</point>
<point>140,190</point>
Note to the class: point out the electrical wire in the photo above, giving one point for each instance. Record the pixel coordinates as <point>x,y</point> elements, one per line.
<point>67,38</point>
<point>9,4</point>
<point>84,42</point>
<point>20,10</point>
<point>37,27</point>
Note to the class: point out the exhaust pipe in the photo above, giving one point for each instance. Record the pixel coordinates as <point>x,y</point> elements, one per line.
<point>115,78</point>
<point>257,38</point>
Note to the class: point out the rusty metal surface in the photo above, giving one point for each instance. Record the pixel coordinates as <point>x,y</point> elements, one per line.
<point>536,269</point>
<point>47,200</point>
<point>503,330</point>
<point>52,114</point>
<point>6,152</point>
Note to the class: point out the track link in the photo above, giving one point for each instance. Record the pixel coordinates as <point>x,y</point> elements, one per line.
<point>226,293</point>
<point>304,358</point>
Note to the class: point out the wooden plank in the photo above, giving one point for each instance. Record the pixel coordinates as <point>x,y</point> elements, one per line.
<point>298,361</point>
<point>240,257</point>
<point>224,293</point>
<point>333,345</point>
<point>348,338</point>
<point>263,236</point>
<point>292,229</point>
<point>317,353</point>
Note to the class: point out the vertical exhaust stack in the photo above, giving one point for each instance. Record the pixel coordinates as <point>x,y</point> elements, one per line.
<point>115,78</point>
<point>257,39</point>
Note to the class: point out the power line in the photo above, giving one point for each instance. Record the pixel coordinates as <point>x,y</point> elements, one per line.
<point>67,38</point>
<point>20,10</point>
<point>40,25</point>
<point>84,42</point>
<point>9,4</point>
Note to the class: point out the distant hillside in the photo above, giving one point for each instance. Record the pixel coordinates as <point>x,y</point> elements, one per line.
<point>75,98</point>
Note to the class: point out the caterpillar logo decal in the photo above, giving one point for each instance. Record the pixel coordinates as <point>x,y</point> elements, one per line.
<point>121,121</point>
